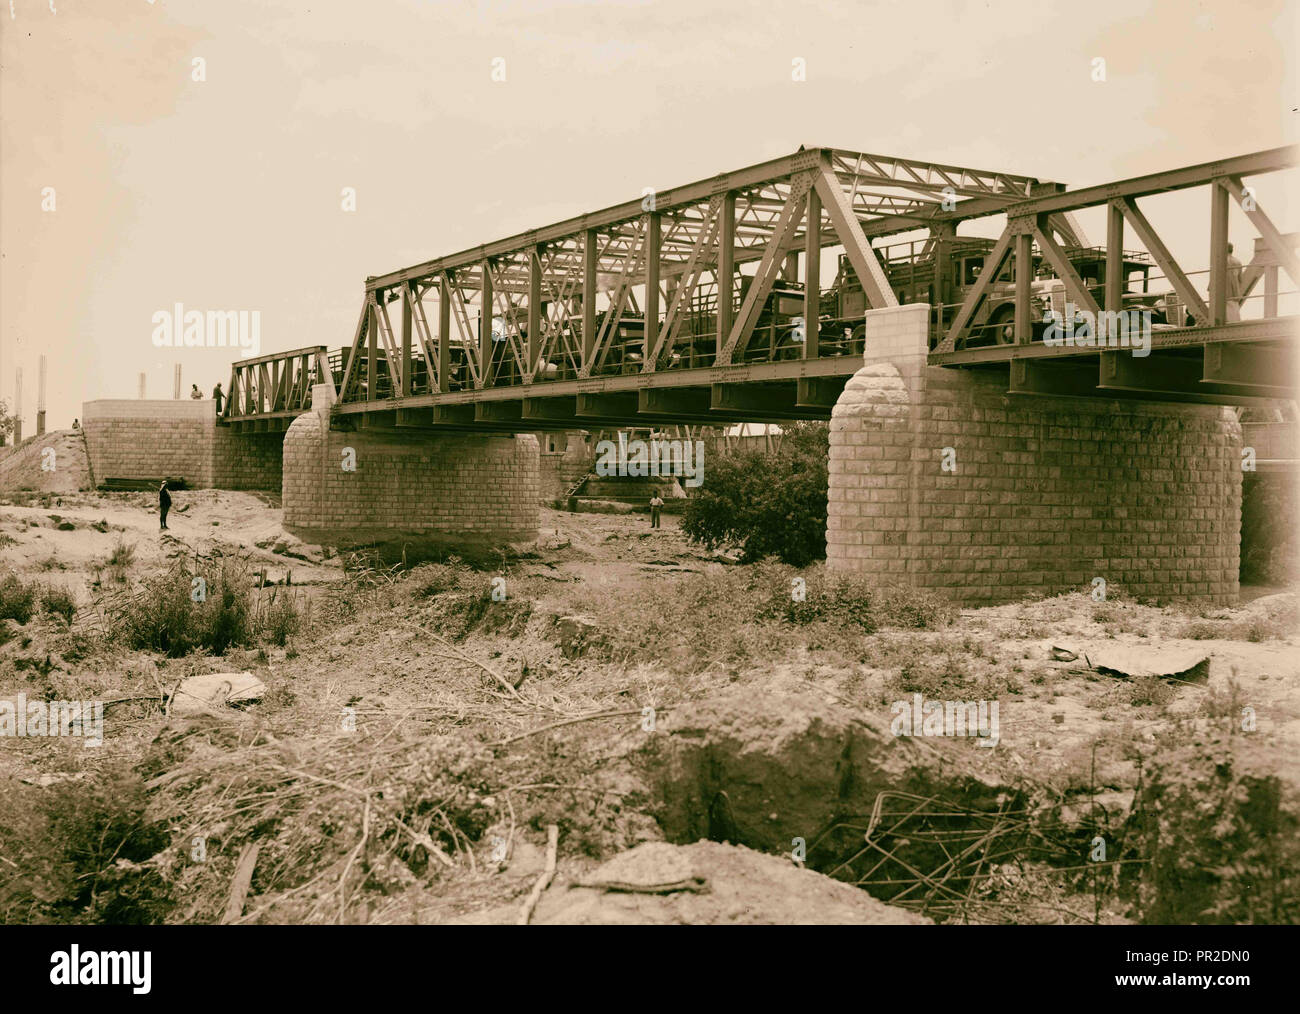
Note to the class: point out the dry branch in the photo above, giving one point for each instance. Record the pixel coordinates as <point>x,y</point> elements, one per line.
<point>552,846</point>
<point>240,884</point>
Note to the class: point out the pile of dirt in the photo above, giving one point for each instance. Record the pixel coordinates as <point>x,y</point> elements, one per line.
<point>727,885</point>
<point>55,462</point>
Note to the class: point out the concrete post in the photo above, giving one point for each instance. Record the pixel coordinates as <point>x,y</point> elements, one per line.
<point>18,405</point>
<point>40,397</point>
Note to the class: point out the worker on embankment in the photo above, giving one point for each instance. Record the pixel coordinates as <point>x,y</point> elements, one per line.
<point>164,505</point>
<point>219,396</point>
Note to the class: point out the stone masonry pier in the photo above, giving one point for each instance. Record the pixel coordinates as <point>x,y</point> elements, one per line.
<point>466,487</point>
<point>939,479</point>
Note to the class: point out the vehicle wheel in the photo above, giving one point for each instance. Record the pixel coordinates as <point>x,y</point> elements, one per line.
<point>858,340</point>
<point>1001,330</point>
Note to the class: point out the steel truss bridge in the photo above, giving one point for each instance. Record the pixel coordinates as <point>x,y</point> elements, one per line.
<point>688,306</point>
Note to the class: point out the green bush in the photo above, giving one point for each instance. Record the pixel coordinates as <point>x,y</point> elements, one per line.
<point>17,600</point>
<point>767,504</point>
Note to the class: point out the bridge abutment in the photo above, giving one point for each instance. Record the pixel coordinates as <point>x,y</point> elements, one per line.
<point>181,439</point>
<point>467,487</point>
<point>939,479</point>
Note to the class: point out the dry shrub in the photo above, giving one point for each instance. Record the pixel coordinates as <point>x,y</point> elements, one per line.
<point>463,600</point>
<point>164,616</point>
<point>78,846</point>
<point>336,816</point>
<point>732,614</point>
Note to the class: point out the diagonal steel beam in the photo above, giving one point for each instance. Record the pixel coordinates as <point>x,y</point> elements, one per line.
<point>1273,239</point>
<point>992,265</point>
<point>685,291</point>
<point>768,267</point>
<point>631,269</point>
<point>468,342</point>
<point>856,245</point>
<point>1156,247</point>
<point>421,323</point>
<point>1075,289</point>
<point>389,341</point>
<point>354,355</point>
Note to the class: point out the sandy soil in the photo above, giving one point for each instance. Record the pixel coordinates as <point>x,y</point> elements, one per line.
<point>375,658</point>
<point>69,536</point>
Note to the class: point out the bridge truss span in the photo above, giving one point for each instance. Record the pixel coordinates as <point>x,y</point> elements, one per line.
<point>709,302</point>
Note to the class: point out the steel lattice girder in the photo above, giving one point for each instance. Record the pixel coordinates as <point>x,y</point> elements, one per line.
<point>877,186</point>
<point>663,247</point>
<point>1030,219</point>
<point>275,384</point>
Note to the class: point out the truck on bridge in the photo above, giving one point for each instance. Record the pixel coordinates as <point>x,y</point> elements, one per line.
<point>917,275</point>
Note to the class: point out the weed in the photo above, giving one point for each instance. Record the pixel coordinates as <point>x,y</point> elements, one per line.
<point>17,600</point>
<point>59,602</point>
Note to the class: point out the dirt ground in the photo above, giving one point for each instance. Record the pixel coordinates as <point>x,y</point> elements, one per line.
<point>374,646</point>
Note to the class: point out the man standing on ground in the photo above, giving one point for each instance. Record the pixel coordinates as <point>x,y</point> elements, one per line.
<point>219,396</point>
<point>164,505</point>
<point>656,504</point>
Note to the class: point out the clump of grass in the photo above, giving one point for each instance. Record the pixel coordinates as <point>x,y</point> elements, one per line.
<point>1225,702</point>
<point>1150,691</point>
<point>17,599</point>
<point>281,619</point>
<point>431,579</point>
<point>732,614</point>
<point>1222,841</point>
<point>1277,620</point>
<point>1106,613</point>
<point>950,677</point>
<point>850,600</point>
<point>59,602</point>
<point>78,844</point>
<point>421,803</point>
<point>122,555</point>
<point>186,608</point>
<point>367,583</point>
<point>1203,630</point>
<point>469,601</point>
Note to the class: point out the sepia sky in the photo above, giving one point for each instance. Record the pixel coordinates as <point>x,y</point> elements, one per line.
<point>224,194</point>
